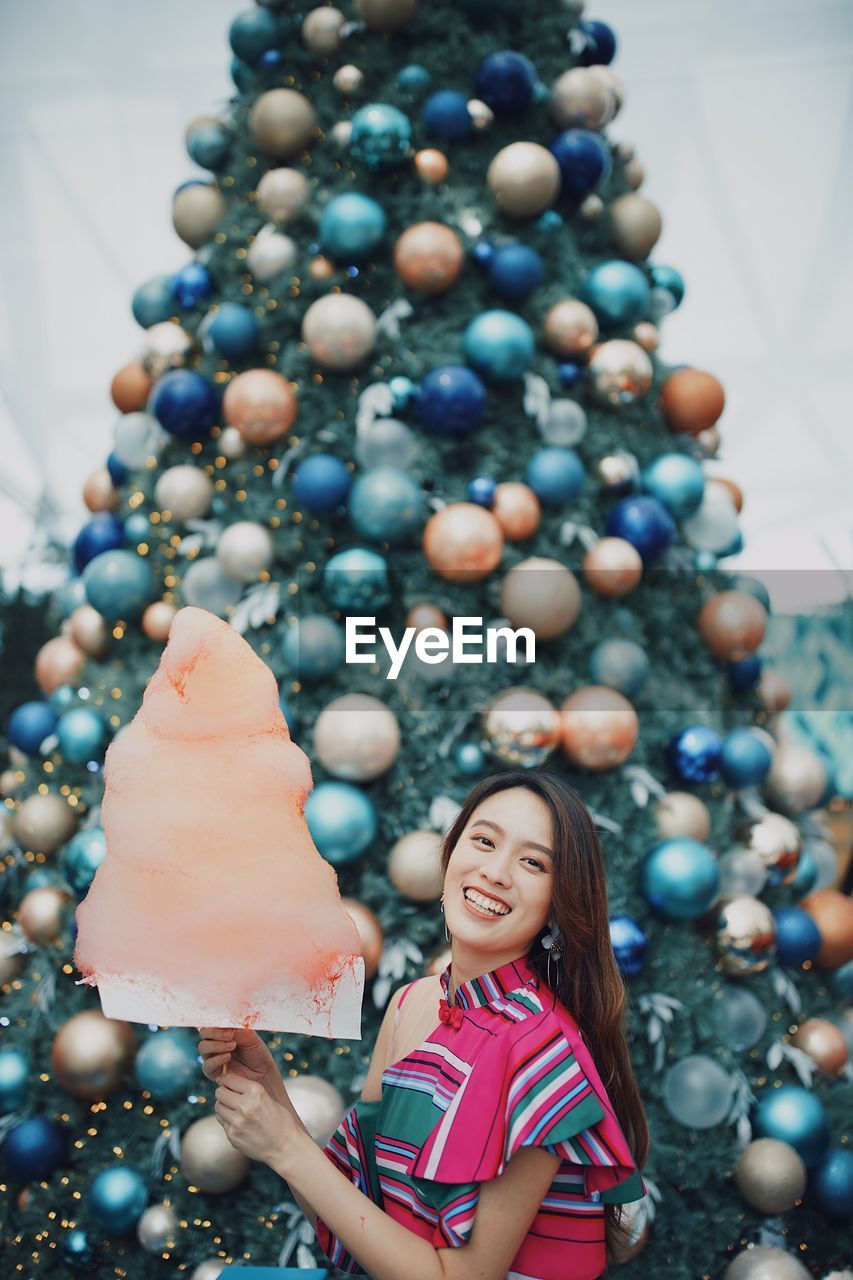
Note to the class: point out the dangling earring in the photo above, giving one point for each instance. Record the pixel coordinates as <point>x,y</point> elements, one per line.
<point>446,934</point>
<point>553,944</point>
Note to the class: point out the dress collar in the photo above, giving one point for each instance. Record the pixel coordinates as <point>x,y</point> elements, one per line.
<point>492,986</point>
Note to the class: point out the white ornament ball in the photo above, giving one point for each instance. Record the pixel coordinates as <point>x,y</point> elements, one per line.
<point>210,1269</point>
<point>580,99</point>
<point>206,586</point>
<point>231,444</point>
<point>763,1262</point>
<point>166,346</point>
<point>136,438</point>
<point>341,133</point>
<point>186,491</point>
<point>283,194</point>
<point>269,253</point>
<point>340,331</point>
<point>321,29</point>
<point>348,79</point>
<point>385,442</point>
<point>283,122</point>
<point>714,525</point>
<point>318,1104</point>
<point>481,114</point>
<point>245,550</point>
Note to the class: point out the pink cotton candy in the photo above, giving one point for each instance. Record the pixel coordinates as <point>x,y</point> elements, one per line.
<point>212,906</point>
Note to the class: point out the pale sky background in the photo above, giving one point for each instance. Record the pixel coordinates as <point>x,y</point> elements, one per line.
<point>740,111</point>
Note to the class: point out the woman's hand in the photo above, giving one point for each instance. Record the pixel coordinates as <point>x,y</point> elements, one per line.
<point>260,1126</point>
<point>238,1050</point>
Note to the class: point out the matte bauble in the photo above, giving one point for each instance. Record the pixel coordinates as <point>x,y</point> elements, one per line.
<point>636,224</point>
<point>600,727</point>
<point>245,550</point>
<point>521,727</point>
<point>620,664</point>
<point>356,579</point>
<point>612,567</point>
<point>451,401</point>
<point>617,291</point>
<point>824,1043</point>
<point>739,1017</point>
<point>386,15</point>
<point>428,257</point>
<point>524,179</point>
<point>543,595</point>
<point>209,1269</point>
<point>746,758</point>
<point>44,823</point>
<point>31,722</point>
<point>208,1161</point>
<point>59,661</point>
<point>340,331</point>
<point>732,624</point>
<point>318,1104</point>
<point>676,480</point>
<point>206,585</point>
<point>691,401</point>
<point>414,866</point>
<point>158,1228</point>
<point>34,1148</point>
<point>797,779</point>
<point>369,933</point>
<point>798,938</point>
<point>314,646</point>
<point>157,620</point>
<point>385,442</point>
<point>570,328</point>
<point>40,913</point>
<point>431,165</point>
<point>499,344</point>
<point>348,79</point>
<point>832,912</point>
<point>261,405</point>
<point>283,193</point>
<point>119,584</point>
<point>387,505</point>
<point>356,737</point>
<point>270,253</point>
<point>131,387</point>
<point>516,509</point>
<point>99,492</point>
<point>578,97</point>
<point>620,372</point>
<point>745,935</point>
<point>741,871</point>
<point>185,491</point>
<point>89,630</point>
<point>91,1054</point>
<point>197,210</point>
<point>283,122</point>
<point>352,226</point>
<point>770,1176</point>
<point>697,1092</point>
<point>463,542</point>
<point>81,735</point>
<point>342,821</point>
<point>321,29</point>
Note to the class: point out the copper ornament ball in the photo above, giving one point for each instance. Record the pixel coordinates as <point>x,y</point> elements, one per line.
<point>600,727</point>
<point>99,492</point>
<point>517,510</point>
<point>570,328</point>
<point>91,1054</point>
<point>832,912</point>
<point>157,620</point>
<point>463,542</point>
<point>732,624</point>
<point>692,401</point>
<point>825,1044</point>
<point>431,165</point>
<point>261,404</point>
<point>131,387</point>
<point>369,932</point>
<point>58,662</point>
<point>612,567</point>
<point>428,257</point>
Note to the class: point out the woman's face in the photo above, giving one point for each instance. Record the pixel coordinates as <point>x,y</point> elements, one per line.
<point>504,853</point>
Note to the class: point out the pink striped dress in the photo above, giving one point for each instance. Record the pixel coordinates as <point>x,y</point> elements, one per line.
<point>505,1067</point>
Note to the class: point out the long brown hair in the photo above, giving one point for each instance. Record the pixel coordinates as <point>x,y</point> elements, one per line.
<point>589,983</point>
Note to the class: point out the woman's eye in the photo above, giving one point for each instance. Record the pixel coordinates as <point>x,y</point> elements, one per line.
<point>537,862</point>
<point>486,838</point>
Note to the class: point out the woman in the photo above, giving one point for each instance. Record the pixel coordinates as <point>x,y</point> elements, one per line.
<point>485,1143</point>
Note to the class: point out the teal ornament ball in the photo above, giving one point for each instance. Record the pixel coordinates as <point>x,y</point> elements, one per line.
<point>831,1184</point>
<point>680,878</point>
<point>617,291</point>
<point>356,581</point>
<point>499,344</point>
<point>619,664</point>
<point>153,302</point>
<point>794,1115</point>
<point>14,1080</point>
<point>739,1017</point>
<point>387,505</point>
<point>381,136</point>
<point>63,697</point>
<point>78,1251</point>
<point>697,1092</point>
<point>117,1198</point>
<point>82,735</point>
<point>82,856</point>
<point>469,758</point>
<point>314,646</point>
<point>677,481</point>
<point>167,1064</point>
<point>208,142</point>
<point>137,528</point>
<point>119,584</point>
<point>351,227</point>
<point>342,821</point>
<point>69,596</point>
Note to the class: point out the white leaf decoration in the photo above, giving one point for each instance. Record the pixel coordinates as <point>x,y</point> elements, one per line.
<point>537,398</point>
<point>388,322</point>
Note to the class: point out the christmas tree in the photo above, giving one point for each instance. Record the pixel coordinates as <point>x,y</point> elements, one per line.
<point>411,376</point>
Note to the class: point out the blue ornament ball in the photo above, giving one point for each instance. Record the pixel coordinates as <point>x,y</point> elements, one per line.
<point>746,758</point>
<point>241,74</point>
<point>556,475</point>
<point>167,1064</point>
<point>117,469</point>
<point>321,483</point>
<point>570,373</point>
<point>745,674</point>
<point>78,1251</point>
<point>82,735</point>
<point>387,505</point>
<point>451,401</point>
<point>119,584</point>
<point>617,291</point>
<point>677,481</point>
<point>672,281</point>
<point>137,528</point>
<point>314,646</point>
<point>381,136</point>
<point>253,32</point>
<point>619,664</point>
<point>630,944</point>
<point>152,302</point>
<point>233,331</point>
<point>644,522</point>
<point>117,1198</point>
<point>34,1148</point>
<point>584,159</point>
<point>14,1080</point>
<point>356,580</point>
<point>680,878</point>
<point>208,143</point>
<point>413,78</point>
<point>68,596</point>
<point>705,561</point>
<point>446,115</point>
<point>185,404</point>
<point>402,390</point>
<point>351,227</point>
<point>65,696</point>
<point>794,1115</point>
<point>82,856</point>
<point>29,725</point>
<point>798,939</point>
<point>505,81</point>
<point>805,877</point>
<point>469,758</point>
<point>831,1184</point>
<point>342,821</point>
<point>270,59</point>
<point>734,548</point>
<point>599,46</point>
<point>499,344</point>
<point>191,285</point>
<point>693,754</point>
<point>481,490</point>
<point>483,253</point>
<point>103,532</point>
<point>515,270</point>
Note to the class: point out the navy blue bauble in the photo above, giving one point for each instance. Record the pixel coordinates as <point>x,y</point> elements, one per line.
<point>167,1064</point>
<point>499,344</point>
<point>599,44</point>
<point>117,469</point>
<point>482,490</point>
<point>745,674</point>
<point>693,754</point>
<point>556,475</point>
<point>746,758</point>
<point>185,404</point>
<point>117,1198</point>
<point>446,115</point>
<point>644,522</point>
<point>831,1184</point>
<point>794,1115</point>
<point>505,81</point>
<point>387,505</point>
<point>798,938</point>
<point>314,646</point>
<point>191,285</point>
<point>152,302</point>
<point>103,532</point>
<point>34,1149</point>
<point>515,270</point>
<point>233,331</point>
<point>619,664</point>
<point>380,136</point>
<point>208,142</point>
<point>617,291</point>
<point>672,281</point>
<point>483,253</point>
<point>451,401</point>
<point>321,483</point>
<point>680,878</point>
<point>351,227</point>
<point>584,160</point>
<point>570,373</point>
<point>29,725</point>
<point>253,32</point>
<point>342,821</point>
<point>629,944</point>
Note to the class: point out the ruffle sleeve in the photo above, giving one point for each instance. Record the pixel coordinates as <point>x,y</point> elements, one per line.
<point>351,1150</point>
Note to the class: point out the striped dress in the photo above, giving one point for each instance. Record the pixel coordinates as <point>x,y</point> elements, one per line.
<point>504,1068</point>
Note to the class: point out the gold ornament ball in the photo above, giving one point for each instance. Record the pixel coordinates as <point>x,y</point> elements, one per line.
<point>157,1229</point>
<point>245,550</point>
<point>635,174</point>
<point>321,268</point>
<point>157,620</point>
<point>131,387</point>
<point>89,630</point>
<point>580,98</point>
<point>463,542</point>
<point>321,29</point>
<point>524,179</point>
<point>620,371</point>
<point>40,913</point>
<point>283,123</point>
<point>414,866</point>
<point>679,814</point>
<point>208,1161</point>
<point>763,1262</point>
<point>185,491</point>
<point>99,492</point>
<point>612,567</point>
<point>261,404</point>
<point>386,15</point>
<point>91,1054</point>
<point>570,328</point>
<point>209,1269</point>
<point>771,1176</point>
<point>166,346</point>
<point>636,224</point>
<point>692,401</point>
<point>348,79</point>
<point>732,624</point>
<point>59,661</point>
<point>431,165</point>
<point>428,257</point>
<point>283,193</point>
<point>825,1044</point>
<point>797,778</point>
<point>356,737</point>
<point>44,822</point>
<point>776,842</point>
<point>543,595</point>
<point>196,213</point>
<point>369,933</point>
<point>318,1104</point>
<point>832,912</point>
<point>774,691</point>
<point>424,615</point>
<point>745,935</point>
<point>521,727</point>
<point>600,727</point>
<point>340,331</point>
<point>615,86</point>
<point>516,509</point>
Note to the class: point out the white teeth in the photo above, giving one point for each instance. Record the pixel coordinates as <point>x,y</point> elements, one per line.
<point>487,904</point>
